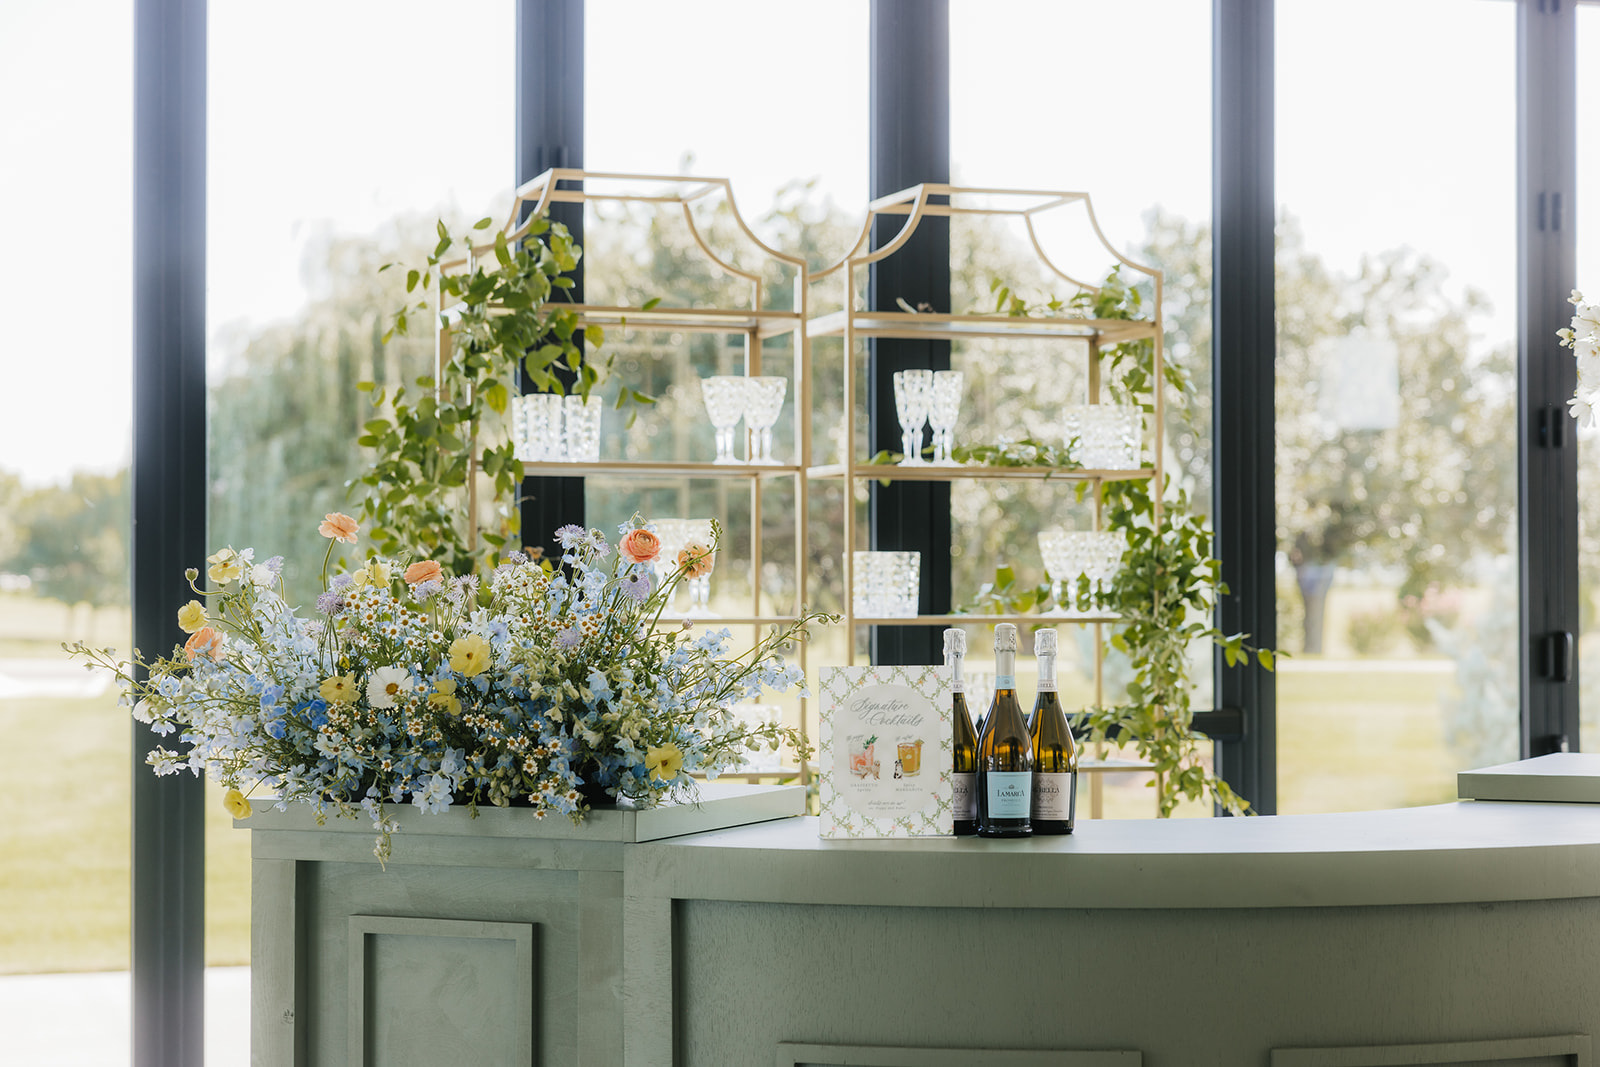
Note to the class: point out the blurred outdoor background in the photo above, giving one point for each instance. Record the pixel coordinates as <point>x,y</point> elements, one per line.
<point>1397,585</point>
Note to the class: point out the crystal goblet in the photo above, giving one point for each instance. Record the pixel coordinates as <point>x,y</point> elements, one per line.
<point>944,408</point>
<point>725,404</point>
<point>913,391</point>
<point>763,404</point>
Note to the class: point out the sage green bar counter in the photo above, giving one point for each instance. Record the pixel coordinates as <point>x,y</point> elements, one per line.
<point>1461,934</point>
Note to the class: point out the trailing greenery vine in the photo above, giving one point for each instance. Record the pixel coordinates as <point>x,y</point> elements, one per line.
<point>1167,587</point>
<point>432,447</point>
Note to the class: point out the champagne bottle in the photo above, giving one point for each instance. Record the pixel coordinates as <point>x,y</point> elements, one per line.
<point>1005,751</point>
<point>1055,757</point>
<point>963,775</point>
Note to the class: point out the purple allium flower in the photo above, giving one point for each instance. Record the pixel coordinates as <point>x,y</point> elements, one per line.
<point>569,638</point>
<point>275,564</point>
<point>571,535</point>
<point>423,591</point>
<point>340,581</point>
<point>636,583</point>
<point>330,603</point>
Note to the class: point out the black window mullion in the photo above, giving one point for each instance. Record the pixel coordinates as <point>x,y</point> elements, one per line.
<point>1244,350</point>
<point>910,144</point>
<point>169,509</point>
<point>1547,460</point>
<point>549,118</point>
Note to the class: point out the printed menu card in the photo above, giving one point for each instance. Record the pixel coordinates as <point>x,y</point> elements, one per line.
<point>883,754</point>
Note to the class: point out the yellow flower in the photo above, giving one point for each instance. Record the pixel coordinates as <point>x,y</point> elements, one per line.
<point>358,579</point>
<point>226,566</point>
<point>444,696</point>
<point>340,689</point>
<point>191,616</point>
<point>378,572</point>
<point>469,655</point>
<point>664,763</point>
<point>236,804</point>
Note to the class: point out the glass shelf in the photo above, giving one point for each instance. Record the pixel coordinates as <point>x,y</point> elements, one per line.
<point>929,473</point>
<point>669,468</point>
<point>931,326</point>
<point>984,620</point>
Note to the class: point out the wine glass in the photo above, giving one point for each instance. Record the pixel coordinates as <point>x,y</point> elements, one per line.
<point>1063,553</point>
<point>725,403</point>
<point>1103,555</point>
<point>913,390</point>
<point>762,407</point>
<point>943,409</point>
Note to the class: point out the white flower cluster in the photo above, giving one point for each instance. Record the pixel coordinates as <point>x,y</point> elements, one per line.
<point>1583,337</point>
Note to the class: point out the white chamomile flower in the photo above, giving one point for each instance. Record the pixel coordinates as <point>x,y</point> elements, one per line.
<point>1583,409</point>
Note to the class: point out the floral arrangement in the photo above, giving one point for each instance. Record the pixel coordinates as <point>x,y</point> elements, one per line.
<point>1583,337</point>
<point>549,686</point>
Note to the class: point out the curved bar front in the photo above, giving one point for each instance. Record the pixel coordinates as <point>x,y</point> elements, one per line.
<point>1460,934</point>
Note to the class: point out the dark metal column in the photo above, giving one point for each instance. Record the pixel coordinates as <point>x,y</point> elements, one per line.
<point>1547,452</point>
<point>1243,351</point>
<point>169,507</point>
<point>910,144</point>
<point>549,118</point>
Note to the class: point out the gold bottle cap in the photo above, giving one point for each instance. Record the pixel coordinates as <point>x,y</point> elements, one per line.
<point>1005,637</point>
<point>955,642</point>
<point>1044,642</point>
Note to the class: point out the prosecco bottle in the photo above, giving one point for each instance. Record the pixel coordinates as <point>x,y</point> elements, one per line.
<point>1005,751</point>
<point>1055,756</point>
<point>963,774</point>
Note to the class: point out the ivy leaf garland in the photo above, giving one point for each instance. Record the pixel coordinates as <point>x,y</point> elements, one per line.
<point>432,446</point>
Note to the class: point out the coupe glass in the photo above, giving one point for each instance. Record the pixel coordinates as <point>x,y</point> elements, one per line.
<point>725,396</point>
<point>547,442</point>
<point>1103,554</point>
<point>913,392</point>
<point>762,407</point>
<point>943,409</point>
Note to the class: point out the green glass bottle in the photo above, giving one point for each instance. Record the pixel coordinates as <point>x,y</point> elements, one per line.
<point>1005,751</point>
<point>964,771</point>
<point>1055,755</point>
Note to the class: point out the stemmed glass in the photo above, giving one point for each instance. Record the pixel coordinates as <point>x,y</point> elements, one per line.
<point>944,408</point>
<point>913,391</point>
<point>763,404</point>
<point>725,396</point>
<point>1064,557</point>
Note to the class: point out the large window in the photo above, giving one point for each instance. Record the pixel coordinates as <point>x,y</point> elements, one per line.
<point>1058,118</point>
<point>305,204</point>
<point>1396,418</point>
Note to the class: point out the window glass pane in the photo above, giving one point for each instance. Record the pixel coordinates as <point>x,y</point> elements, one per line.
<point>1588,221</point>
<point>65,443</point>
<point>1396,466</point>
<point>1068,104</point>
<point>394,115</point>
<point>748,100</point>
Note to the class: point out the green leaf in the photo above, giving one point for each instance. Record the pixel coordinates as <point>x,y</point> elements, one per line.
<point>1265,657</point>
<point>648,305</point>
<point>594,334</point>
<point>411,279</point>
<point>498,397</point>
<point>483,223</point>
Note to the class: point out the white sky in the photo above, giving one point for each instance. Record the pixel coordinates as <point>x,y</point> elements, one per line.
<point>326,116</point>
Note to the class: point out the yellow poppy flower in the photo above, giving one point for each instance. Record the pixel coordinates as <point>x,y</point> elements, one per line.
<point>664,763</point>
<point>236,804</point>
<point>469,655</point>
<point>444,696</point>
<point>191,616</point>
<point>340,689</point>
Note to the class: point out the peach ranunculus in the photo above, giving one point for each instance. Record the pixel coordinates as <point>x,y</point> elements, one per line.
<point>339,527</point>
<point>424,571</point>
<point>695,560</point>
<point>640,546</point>
<point>204,639</point>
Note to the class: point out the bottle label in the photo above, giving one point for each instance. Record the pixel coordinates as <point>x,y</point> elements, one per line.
<point>1010,793</point>
<point>1047,685</point>
<point>958,686</point>
<point>963,796</point>
<point>1005,681</point>
<point>1054,796</point>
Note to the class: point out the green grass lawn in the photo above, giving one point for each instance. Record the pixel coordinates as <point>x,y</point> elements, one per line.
<point>64,874</point>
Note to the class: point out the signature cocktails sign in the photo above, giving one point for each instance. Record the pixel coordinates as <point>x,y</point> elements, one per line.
<point>884,751</point>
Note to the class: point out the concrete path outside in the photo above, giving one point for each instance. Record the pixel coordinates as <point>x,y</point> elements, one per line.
<point>83,1020</point>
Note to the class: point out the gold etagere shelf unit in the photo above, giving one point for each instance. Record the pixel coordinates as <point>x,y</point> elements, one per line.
<point>856,324</point>
<point>754,323</point>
